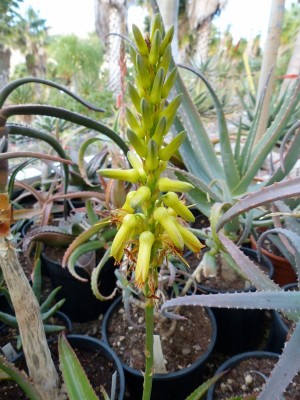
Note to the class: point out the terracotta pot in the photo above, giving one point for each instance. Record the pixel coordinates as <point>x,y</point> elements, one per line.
<point>176,385</point>
<point>232,363</point>
<point>284,272</point>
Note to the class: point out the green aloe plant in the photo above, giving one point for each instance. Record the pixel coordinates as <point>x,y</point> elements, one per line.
<point>222,176</point>
<point>268,295</point>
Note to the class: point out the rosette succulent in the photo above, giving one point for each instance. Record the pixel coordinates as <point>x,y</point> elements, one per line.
<point>150,221</point>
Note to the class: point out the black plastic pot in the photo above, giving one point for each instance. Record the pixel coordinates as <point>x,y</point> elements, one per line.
<point>233,362</point>
<point>279,329</point>
<point>239,330</point>
<point>95,347</point>
<point>81,305</point>
<point>177,385</point>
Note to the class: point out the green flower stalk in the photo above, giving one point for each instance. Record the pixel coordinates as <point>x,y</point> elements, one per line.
<point>149,223</point>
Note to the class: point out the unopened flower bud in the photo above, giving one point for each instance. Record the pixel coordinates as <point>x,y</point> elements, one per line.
<point>139,40</point>
<point>171,200</point>
<point>162,216</point>
<point>137,143</point>
<point>170,185</point>
<point>134,124</point>
<point>129,175</point>
<point>152,160</point>
<point>166,59</point>
<point>137,164</point>
<point>156,23</point>
<point>155,46</point>
<point>146,241</point>
<point>155,96</point>
<point>135,97</point>
<point>142,72</point>
<point>160,131</point>
<point>169,82</point>
<point>167,40</point>
<point>142,194</point>
<point>167,152</point>
<point>147,115</point>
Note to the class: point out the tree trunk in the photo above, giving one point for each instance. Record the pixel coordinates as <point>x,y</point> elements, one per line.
<point>169,12</point>
<point>111,17</point>
<point>37,354</point>
<point>294,65</point>
<point>4,65</point>
<point>269,63</point>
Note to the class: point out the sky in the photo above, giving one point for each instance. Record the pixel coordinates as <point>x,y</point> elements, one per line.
<point>246,17</point>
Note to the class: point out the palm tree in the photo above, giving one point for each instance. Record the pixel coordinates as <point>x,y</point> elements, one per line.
<point>199,14</point>
<point>111,17</point>
<point>30,37</point>
<point>9,17</point>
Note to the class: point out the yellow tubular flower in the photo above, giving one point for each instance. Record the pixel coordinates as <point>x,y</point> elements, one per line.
<point>171,200</point>
<point>126,206</point>
<point>146,241</point>
<point>122,236</point>
<point>142,194</point>
<point>162,216</point>
<point>190,240</point>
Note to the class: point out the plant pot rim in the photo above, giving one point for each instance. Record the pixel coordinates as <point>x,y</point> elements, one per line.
<point>170,375</point>
<point>233,361</point>
<point>264,260</point>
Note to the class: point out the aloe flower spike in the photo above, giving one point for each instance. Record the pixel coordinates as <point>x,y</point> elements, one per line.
<point>146,241</point>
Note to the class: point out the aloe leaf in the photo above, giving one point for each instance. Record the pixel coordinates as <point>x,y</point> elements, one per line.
<point>248,146</point>
<point>269,139</point>
<point>10,87</point>
<point>287,161</point>
<point>49,329</point>
<point>202,389</point>
<point>192,156</point>
<point>82,249</point>
<point>37,280</point>
<point>92,216</point>
<point>202,147</point>
<point>285,370</point>
<point>70,116</point>
<point>267,300</point>
<point>9,319</point>
<point>48,314</point>
<point>84,237</point>
<point>15,129</point>
<point>277,191</point>
<point>76,381</point>
<point>81,153</point>
<point>258,278</point>
<point>20,378</point>
<point>49,300</point>
<point>228,160</point>
<point>237,147</point>
<point>95,278</point>
<point>292,237</point>
<point>13,176</point>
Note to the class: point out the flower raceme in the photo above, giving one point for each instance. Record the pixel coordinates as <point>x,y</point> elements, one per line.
<point>150,219</point>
